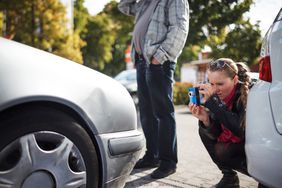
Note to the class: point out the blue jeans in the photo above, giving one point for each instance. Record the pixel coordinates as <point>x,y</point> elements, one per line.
<point>155,84</point>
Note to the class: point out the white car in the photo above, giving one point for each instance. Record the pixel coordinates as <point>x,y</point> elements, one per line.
<point>264,112</point>
<point>62,124</point>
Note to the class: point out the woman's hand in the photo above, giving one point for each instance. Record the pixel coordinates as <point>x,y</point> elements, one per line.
<point>200,113</point>
<point>206,90</point>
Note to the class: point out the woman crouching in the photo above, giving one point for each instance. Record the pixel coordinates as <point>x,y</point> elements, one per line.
<point>222,118</point>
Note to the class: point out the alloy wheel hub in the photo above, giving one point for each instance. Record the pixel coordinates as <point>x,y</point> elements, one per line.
<point>42,159</point>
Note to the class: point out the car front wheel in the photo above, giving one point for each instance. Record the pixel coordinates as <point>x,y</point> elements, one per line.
<point>39,150</point>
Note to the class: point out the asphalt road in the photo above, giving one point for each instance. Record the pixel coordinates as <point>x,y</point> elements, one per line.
<point>194,169</point>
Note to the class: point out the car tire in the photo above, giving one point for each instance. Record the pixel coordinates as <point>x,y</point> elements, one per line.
<point>46,148</point>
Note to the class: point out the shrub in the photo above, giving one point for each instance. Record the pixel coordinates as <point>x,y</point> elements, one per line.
<point>180,93</point>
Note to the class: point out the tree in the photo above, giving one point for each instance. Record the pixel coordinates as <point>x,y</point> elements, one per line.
<point>123,29</point>
<point>99,40</point>
<point>42,24</point>
<point>70,48</point>
<point>81,16</point>
<point>1,23</point>
<point>107,35</point>
<point>209,17</point>
<point>211,23</point>
<point>241,43</point>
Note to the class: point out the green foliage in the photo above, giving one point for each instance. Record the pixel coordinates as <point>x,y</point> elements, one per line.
<point>241,43</point>
<point>81,16</point>
<point>123,29</point>
<point>208,20</point>
<point>209,17</point>
<point>107,35</point>
<point>1,23</point>
<point>180,93</point>
<point>70,48</point>
<point>221,25</point>
<point>34,22</point>
<point>41,24</point>
<point>99,40</point>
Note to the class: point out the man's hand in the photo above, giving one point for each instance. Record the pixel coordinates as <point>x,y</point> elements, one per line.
<point>154,61</point>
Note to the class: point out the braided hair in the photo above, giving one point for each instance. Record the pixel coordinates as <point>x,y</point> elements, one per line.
<point>232,69</point>
<point>245,81</point>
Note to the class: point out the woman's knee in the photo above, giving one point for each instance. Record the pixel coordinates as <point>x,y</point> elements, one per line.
<point>221,152</point>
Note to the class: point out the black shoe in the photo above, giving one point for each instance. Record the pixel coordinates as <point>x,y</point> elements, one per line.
<point>162,172</point>
<point>228,181</point>
<point>146,163</point>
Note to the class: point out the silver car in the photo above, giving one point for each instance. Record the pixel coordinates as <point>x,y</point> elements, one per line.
<point>62,124</point>
<point>264,112</point>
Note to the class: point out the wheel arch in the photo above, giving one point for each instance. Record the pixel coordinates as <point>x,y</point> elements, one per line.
<point>67,112</point>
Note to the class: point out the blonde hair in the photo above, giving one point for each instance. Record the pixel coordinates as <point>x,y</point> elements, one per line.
<point>231,70</point>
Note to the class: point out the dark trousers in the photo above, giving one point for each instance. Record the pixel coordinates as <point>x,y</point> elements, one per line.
<point>227,156</point>
<point>155,84</point>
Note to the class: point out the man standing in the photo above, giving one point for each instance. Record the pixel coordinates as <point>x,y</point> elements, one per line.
<point>160,32</point>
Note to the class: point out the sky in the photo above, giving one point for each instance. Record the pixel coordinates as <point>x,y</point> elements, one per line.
<point>264,11</point>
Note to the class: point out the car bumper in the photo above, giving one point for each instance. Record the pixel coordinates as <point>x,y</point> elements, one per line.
<point>122,150</point>
<point>263,142</point>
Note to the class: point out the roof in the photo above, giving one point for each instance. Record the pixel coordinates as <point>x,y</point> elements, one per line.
<point>197,62</point>
<point>203,61</point>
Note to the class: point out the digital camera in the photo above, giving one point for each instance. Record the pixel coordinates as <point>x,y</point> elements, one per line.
<point>194,95</point>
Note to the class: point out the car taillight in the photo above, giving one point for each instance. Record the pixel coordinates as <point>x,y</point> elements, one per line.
<point>265,61</point>
<point>265,69</point>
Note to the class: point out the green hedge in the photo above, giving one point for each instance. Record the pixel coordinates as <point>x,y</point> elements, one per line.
<point>180,93</point>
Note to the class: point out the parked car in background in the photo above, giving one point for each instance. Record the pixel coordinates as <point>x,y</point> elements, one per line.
<point>264,112</point>
<point>62,124</point>
<point>128,79</point>
<point>254,76</point>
